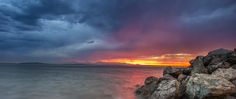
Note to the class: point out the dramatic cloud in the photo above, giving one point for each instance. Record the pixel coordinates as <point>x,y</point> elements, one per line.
<point>98,30</point>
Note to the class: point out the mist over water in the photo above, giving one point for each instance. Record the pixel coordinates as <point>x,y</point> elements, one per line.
<point>71,82</point>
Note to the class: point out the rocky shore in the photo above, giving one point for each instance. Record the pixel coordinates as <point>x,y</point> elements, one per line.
<point>208,77</point>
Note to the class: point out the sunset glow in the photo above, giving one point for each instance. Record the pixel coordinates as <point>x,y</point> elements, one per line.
<point>144,32</point>
<point>164,60</point>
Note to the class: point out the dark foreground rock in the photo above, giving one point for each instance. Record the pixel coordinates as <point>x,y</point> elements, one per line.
<point>208,77</point>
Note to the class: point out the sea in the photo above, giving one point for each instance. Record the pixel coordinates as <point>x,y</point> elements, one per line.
<point>51,81</point>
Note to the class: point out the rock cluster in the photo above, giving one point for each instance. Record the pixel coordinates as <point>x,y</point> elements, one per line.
<point>208,77</point>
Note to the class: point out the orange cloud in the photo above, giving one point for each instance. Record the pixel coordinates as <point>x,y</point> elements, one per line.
<point>179,59</point>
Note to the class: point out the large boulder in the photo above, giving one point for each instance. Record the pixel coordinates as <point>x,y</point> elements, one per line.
<point>213,67</point>
<point>198,65</point>
<point>229,74</point>
<point>204,86</point>
<point>219,52</point>
<point>167,89</point>
<point>216,56</point>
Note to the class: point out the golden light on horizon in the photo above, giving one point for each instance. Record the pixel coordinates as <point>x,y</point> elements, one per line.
<point>163,60</point>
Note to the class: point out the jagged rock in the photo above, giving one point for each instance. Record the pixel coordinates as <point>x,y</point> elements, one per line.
<point>149,87</point>
<point>216,56</point>
<point>150,80</point>
<point>167,89</point>
<point>198,66</point>
<point>219,52</point>
<point>175,72</point>
<point>204,86</point>
<point>212,68</point>
<point>229,74</point>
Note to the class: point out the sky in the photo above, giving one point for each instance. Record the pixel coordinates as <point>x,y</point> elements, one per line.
<point>146,32</point>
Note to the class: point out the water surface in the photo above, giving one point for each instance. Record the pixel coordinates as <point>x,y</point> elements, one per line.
<point>31,81</point>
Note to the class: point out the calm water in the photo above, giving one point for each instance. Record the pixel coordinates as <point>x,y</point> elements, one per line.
<point>70,82</point>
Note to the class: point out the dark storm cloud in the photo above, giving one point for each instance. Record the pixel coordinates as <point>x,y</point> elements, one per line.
<point>77,28</point>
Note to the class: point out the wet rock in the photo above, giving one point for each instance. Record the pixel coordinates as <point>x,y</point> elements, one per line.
<point>229,74</point>
<point>167,89</point>
<point>212,68</point>
<point>206,86</point>
<point>198,65</point>
<point>175,72</point>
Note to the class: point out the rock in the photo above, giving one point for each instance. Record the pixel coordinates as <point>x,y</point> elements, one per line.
<point>187,71</point>
<point>201,86</point>
<point>234,82</point>
<point>219,52</point>
<point>198,66</point>
<point>148,88</point>
<point>216,56</point>
<point>182,88</point>
<point>181,77</point>
<point>231,60</point>
<point>167,89</point>
<point>230,97</point>
<point>167,77</point>
<point>145,91</point>
<point>234,66</point>
<point>216,60</point>
<point>229,74</point>
<point>150,80</point>
<point>212,68</point>
<point>175,72</point>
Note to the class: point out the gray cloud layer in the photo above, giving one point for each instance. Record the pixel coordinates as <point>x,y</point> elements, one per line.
<point>50,30</point>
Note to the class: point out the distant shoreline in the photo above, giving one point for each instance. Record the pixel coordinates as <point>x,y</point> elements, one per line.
<point>83,65</point>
